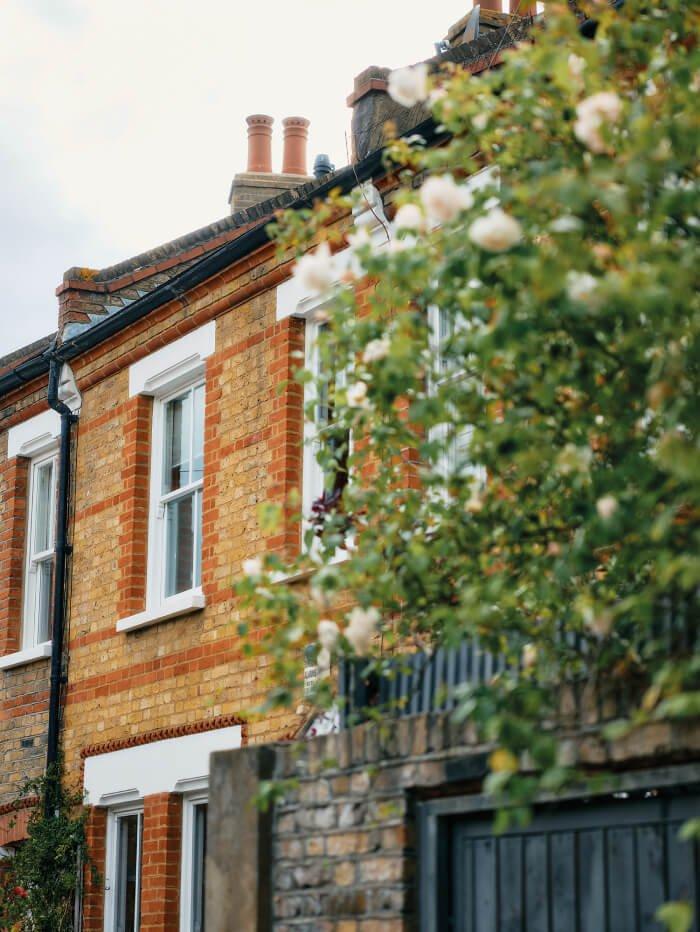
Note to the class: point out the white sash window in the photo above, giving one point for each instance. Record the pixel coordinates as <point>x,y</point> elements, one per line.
<point>41,531</point>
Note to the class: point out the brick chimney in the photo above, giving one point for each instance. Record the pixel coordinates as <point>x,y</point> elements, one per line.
<point>371,108</point>
<point>259,183</point>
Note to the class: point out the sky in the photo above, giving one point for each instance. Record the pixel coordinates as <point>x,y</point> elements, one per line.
<point>122,122</point>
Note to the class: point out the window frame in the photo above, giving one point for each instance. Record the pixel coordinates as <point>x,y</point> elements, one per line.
<point>187,894</point>
<point>156,598</point>
<point>445,465</point>
<point>111,863</point>
<point>29,634</point>
<point>313,476</point>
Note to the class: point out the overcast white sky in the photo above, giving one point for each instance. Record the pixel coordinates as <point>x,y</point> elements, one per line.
<point>122,121</point>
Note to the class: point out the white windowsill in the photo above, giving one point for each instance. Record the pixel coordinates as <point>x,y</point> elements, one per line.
<point>176,605</point>
<point>28,655</point>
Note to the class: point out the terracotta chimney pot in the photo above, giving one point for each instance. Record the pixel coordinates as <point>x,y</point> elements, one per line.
<point>494,5</point>
<point>259,142</point>
<point>296,132</point>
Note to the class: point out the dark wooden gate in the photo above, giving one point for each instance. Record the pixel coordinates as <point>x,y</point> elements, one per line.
<point>596,867</point>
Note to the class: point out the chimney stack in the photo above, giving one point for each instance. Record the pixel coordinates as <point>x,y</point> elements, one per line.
<point>296,132</point>
<point>259,142</point>
<point>494,5</point>
<point>259,183</point>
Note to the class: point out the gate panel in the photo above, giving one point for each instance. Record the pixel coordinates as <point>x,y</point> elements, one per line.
<point>579,867</point>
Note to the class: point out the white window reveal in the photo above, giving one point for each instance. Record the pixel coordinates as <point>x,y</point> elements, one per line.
<point>40,553</point>
<point>123,872</point>
<point>323,482</point>
<point>194,846</point>
<point>174,377</point>
<point>179,508</point>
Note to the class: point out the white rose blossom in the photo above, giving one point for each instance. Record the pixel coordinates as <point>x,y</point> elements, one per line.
<point>409,217</point>
<point>409,86</point>
<point>480,122</point>
<point>496,231</point>
<point>362,624</point>
<point>359,239</point>
<point>253,568</point>
<point>565,224</point>
<point>444,199</point>
<point>592,113</point>
<point>396,245</point>
<point>357,395</point>
<point>314,271</point>
<point>576,66</point>
<point>323,659</point>
<point>529,656</point>
<point>437,94</point>
<point>328,633</point>
<point>582,286</point>
<point>606,507</point>
<point>376,350</point>
<point>599,623</point>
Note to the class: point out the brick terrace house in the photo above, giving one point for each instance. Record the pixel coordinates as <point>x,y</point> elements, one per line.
<point>135,446</point>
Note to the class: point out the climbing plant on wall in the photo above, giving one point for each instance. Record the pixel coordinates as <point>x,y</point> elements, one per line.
<point>521,390</point>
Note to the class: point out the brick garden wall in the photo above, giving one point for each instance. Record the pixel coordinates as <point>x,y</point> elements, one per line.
<point>339,853</point>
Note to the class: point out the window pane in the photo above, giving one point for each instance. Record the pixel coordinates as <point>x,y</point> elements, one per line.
<point>199,847</point>
<point>128,869</point>
<point>198,434</point>
<point>44,599</point>
<point>176,469</point>
<point>43,505</point>
<point>180,544</point>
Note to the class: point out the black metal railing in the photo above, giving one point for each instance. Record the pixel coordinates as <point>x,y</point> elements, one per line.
<point>421,682</point>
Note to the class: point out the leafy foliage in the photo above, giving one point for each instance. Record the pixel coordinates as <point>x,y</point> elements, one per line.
<point>564,535</point>
<point>39,884</point>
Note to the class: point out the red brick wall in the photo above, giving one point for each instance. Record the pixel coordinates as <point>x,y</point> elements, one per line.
<point>93,886</point>
<point>133,529</point>
<point>160,873</point>
<point>14,480</point>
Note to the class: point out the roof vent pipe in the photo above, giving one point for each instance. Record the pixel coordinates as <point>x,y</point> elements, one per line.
<point>259,143</point>
<point>323,166</point>
<point>296,132</point>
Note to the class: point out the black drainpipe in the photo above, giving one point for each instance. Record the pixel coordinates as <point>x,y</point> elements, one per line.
<point>59,589</point>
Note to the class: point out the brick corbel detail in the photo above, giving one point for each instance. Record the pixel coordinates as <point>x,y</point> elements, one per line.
<point>133,526</point>
<point>160,870</point>
<point>287,430</point>
<point>93,875</point>
<point>14,481</point>
<point>14,819</point>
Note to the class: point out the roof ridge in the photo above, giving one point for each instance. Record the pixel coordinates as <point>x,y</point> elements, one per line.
<point>198,237</point>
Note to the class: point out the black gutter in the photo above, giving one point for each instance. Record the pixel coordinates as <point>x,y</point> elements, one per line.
<point>372,166</point>
<point>62,550</point>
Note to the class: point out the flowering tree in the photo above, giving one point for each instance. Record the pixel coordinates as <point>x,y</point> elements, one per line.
<point>520,393</point>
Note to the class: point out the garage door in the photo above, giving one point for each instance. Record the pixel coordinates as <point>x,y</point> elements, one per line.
<point>598,867</point>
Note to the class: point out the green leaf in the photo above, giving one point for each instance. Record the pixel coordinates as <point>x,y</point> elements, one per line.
<point>676,916</point>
